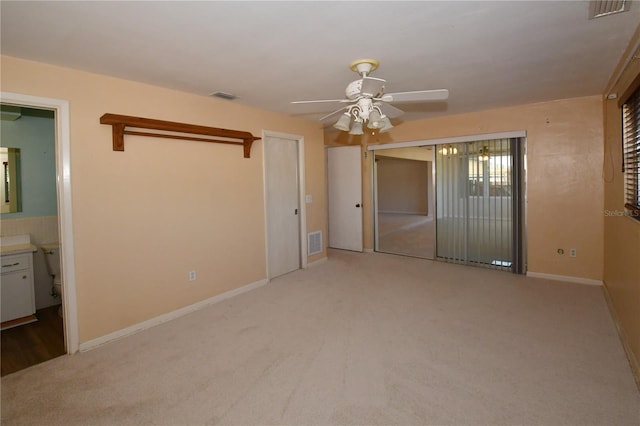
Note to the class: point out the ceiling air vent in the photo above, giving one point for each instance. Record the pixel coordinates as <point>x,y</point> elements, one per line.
<point>600,8</point>
<point>224,95</point>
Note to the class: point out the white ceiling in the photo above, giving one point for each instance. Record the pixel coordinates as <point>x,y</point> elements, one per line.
<point>488,54</point>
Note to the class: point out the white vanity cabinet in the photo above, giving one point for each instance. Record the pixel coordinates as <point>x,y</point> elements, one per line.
<point>18,295</point>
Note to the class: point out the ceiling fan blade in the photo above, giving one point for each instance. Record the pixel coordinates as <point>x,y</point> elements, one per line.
<point>333,113</point>
<point>372,86</point>
<point>320,101</point>
<point>419,95</point>
<point>390,111</point>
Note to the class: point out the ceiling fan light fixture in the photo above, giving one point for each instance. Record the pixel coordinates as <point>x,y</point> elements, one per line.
<point>386,125</point>
<point>368,105</point>
<point>356,129</point>
<point>375,119</point>
<point>343,122</point>
<point>484,153</point>
<point>447,151</point>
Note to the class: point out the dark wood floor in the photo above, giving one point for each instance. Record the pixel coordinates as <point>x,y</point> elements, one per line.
<point>33,343</point>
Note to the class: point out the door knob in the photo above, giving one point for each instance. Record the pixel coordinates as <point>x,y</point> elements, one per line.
<point>295,212</point>
<point>358,205</point>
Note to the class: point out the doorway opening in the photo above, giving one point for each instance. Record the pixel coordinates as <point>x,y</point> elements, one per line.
<point>30,211</point>
<point>60,227</point>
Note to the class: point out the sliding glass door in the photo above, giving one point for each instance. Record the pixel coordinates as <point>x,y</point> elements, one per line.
<point>479,203</point>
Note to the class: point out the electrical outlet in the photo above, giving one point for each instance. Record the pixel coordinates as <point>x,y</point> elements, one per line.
<point>573,252</point>
<point>192,275</point>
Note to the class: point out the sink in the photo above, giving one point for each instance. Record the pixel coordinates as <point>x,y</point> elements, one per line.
<point>16,244</point>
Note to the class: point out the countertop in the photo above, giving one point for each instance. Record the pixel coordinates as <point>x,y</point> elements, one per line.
<point>17,249</point>
<point>16,244</point>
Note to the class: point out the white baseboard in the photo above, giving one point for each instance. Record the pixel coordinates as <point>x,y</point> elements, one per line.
<point>367,250</point>
<point>317,262</point>
<point>624,338</point>
<point>94,343</point>
<point>565,278</point>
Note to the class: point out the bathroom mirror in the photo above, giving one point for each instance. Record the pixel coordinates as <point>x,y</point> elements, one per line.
<point>11,195</point>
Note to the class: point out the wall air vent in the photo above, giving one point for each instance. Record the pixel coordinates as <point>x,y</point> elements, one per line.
<point>223,95</point>
<point>600,8</point>
<point>314,241</point>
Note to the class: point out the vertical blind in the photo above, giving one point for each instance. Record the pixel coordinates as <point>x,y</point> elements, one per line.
<point>631,153</point>
<point>474,203</point>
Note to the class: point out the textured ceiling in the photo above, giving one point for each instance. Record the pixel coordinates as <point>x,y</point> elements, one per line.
<point>488,54</point>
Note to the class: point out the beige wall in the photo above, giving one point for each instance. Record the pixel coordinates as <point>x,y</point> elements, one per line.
<point>402,185</point>
<point>621,234</point>
<point>564,167</point>
<point>145,217</point>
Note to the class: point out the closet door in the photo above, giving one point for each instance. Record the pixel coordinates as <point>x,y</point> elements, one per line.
<point>404,202</point>
<point>283,205</point>
<point>344,180</point>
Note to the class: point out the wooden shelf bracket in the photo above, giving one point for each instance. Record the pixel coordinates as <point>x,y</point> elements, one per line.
<point>120,123</point>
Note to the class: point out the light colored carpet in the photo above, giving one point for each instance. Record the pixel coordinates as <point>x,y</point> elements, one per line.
<point>406,234</point>
<point>360,339</point>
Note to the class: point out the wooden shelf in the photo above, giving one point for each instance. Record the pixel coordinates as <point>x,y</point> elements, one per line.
<point>183,131</point>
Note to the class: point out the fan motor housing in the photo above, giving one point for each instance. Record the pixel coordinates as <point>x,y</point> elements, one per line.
<point>353,89</point>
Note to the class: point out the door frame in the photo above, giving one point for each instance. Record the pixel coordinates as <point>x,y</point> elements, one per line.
<point>65,216</point>
<point>301,196</point>
<point>374,199</point>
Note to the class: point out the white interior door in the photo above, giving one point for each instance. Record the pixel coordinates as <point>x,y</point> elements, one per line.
<point>344,175</point>
<point>282,205</point>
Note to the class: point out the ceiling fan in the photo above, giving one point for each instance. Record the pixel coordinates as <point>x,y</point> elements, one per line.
<point>368,104</point>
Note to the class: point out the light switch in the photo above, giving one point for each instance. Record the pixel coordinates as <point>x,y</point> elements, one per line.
<point>309,198</point>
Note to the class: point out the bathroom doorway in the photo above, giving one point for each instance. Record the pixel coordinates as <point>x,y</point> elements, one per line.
<point>30,133</point>
<point>46,218</point>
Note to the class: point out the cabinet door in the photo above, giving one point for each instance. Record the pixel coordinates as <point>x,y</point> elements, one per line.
<point>17,295</point>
